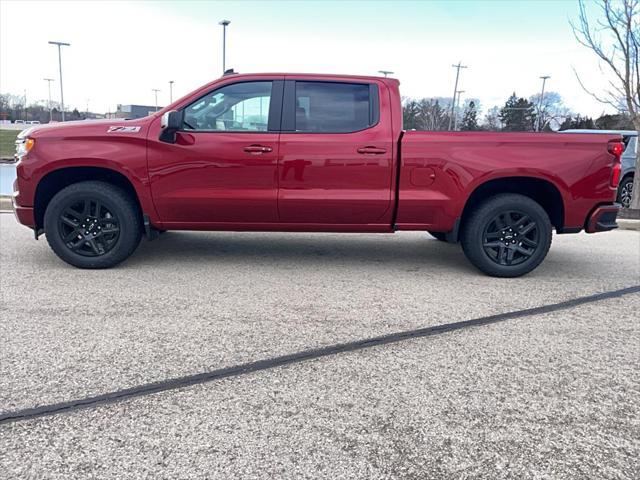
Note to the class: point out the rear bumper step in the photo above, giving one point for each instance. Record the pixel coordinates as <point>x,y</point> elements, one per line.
<point>603,219</point>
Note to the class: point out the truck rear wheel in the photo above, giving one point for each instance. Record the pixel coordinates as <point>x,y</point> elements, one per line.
<point>92,225</point>
<point>507,235</point>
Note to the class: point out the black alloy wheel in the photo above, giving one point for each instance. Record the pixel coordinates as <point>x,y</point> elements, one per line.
<point>511,238</point>
<point>93,224</point>
<point>507,235</point>
<point>88,227</point>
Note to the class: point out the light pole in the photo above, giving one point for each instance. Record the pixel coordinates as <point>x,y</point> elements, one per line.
<point>170,91</point>
<point>224,24</point>
<point>386,73</point>
<point>455,121</point>
<point>60,45</point>
<point>155,91</point>
<point>49,80</point>
<point>455,90</point>
<point>544,80</point>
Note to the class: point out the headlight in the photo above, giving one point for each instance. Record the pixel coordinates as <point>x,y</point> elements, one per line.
<point>24,146</point>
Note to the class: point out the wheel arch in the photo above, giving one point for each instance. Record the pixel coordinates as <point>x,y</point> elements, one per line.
<point>540,190</point>
<point>57,179</point>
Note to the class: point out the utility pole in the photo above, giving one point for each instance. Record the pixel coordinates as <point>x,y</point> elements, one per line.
<point>386,73</point>
<point>455,121</point>
<point>155,91</point>
<point>539,122</point>
<point>455,90</point>
<point>61,44</point>
<point>25,105</point>
<point>170,91</point>
<point>49,80</point>
<point>224,24</point>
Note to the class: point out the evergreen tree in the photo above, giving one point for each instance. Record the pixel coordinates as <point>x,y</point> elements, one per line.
<point>518,115</point>
<point>579,122</point>
<point>470,118</point>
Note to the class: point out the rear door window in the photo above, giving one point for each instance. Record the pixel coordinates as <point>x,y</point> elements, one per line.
<point>333,107</point>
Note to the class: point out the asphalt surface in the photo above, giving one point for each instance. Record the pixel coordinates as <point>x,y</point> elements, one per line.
<point>547,396</point>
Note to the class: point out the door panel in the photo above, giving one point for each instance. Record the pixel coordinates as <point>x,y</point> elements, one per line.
<point>223,165</point>
<point>333,178</point>
<point>209,177</point>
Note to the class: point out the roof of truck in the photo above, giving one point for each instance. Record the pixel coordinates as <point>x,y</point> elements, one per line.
<point>307,74</point>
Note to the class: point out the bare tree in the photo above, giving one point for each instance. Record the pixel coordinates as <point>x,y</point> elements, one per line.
<point>551,110</point>
<point>615,39</point>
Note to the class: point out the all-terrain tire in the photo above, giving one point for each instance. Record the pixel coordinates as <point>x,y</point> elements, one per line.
<point>93,224</point>
<point>507,235</point>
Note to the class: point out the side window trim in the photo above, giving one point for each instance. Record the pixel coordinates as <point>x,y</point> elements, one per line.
<point>288,124</point>
<point>275,108</point>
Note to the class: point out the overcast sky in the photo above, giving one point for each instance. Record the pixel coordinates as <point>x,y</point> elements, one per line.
<point>121,50</point>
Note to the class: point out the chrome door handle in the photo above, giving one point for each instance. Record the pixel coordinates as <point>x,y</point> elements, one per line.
<point>257,149</point>
<point>372,151</point>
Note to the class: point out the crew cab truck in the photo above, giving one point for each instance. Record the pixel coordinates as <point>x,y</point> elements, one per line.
<point>309,153</point>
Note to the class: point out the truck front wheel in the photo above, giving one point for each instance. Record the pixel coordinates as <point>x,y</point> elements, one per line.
<point>507,235</point>
<point>92,225</point>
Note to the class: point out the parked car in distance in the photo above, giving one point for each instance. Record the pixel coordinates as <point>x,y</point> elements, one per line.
<point>19,122</point>
<point>301,152</point>
<point>628,169</point>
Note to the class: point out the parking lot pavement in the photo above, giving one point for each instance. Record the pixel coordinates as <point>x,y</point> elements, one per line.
<point>194,302</point>
<point>550,396</point>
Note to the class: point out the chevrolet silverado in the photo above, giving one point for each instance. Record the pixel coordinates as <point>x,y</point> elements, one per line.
<point>309,153</point>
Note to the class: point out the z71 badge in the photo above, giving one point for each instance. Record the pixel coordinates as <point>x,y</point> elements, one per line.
<point>123,129</point>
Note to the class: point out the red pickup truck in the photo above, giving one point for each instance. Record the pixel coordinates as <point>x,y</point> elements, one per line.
<point>311,153</point>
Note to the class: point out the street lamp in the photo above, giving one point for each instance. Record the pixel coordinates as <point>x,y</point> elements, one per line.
<point>170,91</point>
<point>61,44</point>
<point>49,80</point>
<point>224,24</point>
<point>386,73</point>
<point>155,91</point>
<point>544,80</point>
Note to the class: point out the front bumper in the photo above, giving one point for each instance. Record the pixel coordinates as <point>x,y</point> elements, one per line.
<point>24,215</point>
<point>603,219</point>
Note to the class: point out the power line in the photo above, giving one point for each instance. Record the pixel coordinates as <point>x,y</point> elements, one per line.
<point>455,90</point>
<point>455,121</point>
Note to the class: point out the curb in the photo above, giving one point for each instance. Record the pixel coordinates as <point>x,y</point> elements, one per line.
<point>628,224</point>
<point>5,204</point>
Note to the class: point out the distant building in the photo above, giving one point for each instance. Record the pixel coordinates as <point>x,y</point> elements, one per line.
<point>134,111</point>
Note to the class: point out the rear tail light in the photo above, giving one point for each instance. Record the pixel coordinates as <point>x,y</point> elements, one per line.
<point>616,149</point>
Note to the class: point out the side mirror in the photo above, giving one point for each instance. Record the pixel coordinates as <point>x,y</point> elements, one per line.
<point>169,124</point>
